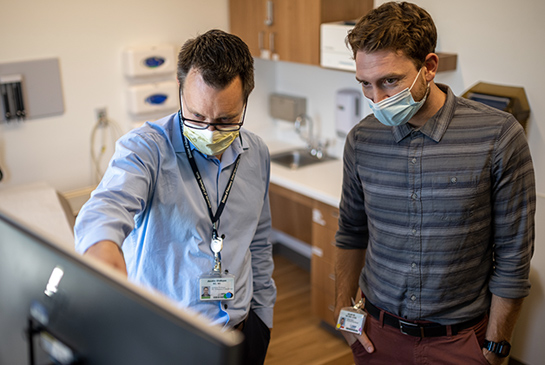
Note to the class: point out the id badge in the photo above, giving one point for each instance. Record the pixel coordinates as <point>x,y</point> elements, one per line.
<point>217,287</point>
<point>351,319</point>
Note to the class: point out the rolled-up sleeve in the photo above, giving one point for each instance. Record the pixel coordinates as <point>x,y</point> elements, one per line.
<point>353,231</point>
<point>122,193</point>
<point>514,205</point>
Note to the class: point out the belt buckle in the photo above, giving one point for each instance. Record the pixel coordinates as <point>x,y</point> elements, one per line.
<point>404,326</point>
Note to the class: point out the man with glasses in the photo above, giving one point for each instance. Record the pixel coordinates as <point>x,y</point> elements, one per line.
<point>184,203</point>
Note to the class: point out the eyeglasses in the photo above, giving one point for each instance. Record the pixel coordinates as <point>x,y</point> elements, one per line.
<point>222,127</point>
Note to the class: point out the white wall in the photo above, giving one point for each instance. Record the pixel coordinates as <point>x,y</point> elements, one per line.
<point>88,38</point>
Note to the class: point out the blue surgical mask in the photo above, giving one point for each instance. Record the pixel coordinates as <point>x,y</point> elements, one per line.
<point>398,109</point>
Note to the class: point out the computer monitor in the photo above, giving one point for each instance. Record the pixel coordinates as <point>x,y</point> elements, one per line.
<point>498,102</point>
<point>81,312</point>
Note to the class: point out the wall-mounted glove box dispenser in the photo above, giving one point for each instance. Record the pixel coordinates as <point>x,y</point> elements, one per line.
<point>153,97</point>
<point>149,60</point>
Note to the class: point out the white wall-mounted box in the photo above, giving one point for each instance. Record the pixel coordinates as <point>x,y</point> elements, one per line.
<point>348,110</point>
<point>334,53</point>
<point>153,97</point>
<point>149,60</point>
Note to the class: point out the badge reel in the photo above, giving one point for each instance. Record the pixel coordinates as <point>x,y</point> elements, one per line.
<point>352,319</point>
<point>217,285</point>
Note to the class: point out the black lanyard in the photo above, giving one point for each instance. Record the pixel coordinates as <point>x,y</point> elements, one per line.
<point>200,182</point>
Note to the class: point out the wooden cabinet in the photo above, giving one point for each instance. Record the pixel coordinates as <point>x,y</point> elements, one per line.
<point>315,223</point>
<point>324,227</point>
<point>289,30</point>
<point>291,213</point>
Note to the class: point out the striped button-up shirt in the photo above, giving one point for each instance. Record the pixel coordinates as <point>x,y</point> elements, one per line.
<point>445,212</point>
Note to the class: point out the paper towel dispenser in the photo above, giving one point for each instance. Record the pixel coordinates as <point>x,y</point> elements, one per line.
<point>507,98</point>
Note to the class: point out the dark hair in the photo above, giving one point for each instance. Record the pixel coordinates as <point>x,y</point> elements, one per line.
<point>398,27</point>
<point>219,57</point>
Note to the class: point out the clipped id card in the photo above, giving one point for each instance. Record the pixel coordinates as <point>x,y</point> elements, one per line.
<point>352,319</point>
<point>216,286</point>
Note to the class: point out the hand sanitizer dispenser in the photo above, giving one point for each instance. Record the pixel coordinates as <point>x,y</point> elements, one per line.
<point>347,110</point>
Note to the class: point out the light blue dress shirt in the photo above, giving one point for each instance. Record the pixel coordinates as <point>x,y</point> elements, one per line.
<point>149,203</point>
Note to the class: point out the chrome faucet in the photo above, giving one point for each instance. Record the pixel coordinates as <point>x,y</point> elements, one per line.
<point>314,145</point>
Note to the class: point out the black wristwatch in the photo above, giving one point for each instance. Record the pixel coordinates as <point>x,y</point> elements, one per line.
<point>501,349</point>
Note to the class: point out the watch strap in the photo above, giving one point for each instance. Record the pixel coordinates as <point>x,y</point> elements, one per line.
<point>501,348</point>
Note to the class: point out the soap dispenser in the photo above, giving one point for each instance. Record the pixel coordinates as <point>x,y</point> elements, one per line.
<point>347,110</point>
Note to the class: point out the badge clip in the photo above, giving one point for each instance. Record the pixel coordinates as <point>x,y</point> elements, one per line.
<point>217,285</point>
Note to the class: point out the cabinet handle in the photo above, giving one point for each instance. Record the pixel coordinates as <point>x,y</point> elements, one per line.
<point>271,42</point>
<point>269,16</point>
<point>317,251</point>
<point>317,217</point>
<point>260,42</point>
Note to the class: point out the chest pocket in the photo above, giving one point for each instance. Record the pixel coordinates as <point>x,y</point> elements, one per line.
<point>454,197</point>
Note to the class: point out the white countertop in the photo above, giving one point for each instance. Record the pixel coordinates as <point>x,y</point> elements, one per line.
<point>321,181</point>
<point>38,206</point>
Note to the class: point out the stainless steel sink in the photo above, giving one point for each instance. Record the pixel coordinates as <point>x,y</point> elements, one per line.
<point>298,158</point>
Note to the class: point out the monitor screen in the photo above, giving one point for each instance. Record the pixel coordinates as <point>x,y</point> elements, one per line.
<point>498,102</point>
<point>55,304</point>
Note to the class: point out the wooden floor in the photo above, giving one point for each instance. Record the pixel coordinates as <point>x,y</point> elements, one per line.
<point>297,337</point>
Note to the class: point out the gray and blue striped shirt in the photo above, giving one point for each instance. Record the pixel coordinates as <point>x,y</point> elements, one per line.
<point>445,212</point>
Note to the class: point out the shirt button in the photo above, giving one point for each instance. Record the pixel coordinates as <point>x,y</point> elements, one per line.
<point>413,265</point>
<point>453,180</point>
<point>414,196</point>
<point>413,160</point>
<point>413,297</point>
<point>414,231</point>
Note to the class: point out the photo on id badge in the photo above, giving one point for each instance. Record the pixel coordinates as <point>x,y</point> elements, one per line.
<point>351,319</point>
<point>215,286</point>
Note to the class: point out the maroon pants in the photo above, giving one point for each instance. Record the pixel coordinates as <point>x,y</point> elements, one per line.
<point>393,347</point>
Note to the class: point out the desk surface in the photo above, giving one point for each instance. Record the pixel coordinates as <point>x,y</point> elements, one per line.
<point>38,205</point>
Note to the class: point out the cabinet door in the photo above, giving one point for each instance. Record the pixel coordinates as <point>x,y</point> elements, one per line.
<point>247,19</point>
<point>324,227</point>
<point>323,243</point>
<point>294,32</point>
<point>323,305</point>
<point>291,213</point>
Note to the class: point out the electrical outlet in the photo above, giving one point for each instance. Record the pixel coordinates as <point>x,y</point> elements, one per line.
<point>101,113</point>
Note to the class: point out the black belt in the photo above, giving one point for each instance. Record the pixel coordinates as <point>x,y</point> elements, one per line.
<point>420,329</point>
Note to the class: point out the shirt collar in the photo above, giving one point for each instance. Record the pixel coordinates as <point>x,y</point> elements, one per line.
<point>437,125</point>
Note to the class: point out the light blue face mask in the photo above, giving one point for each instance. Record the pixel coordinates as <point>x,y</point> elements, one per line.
<point>398,109</point>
